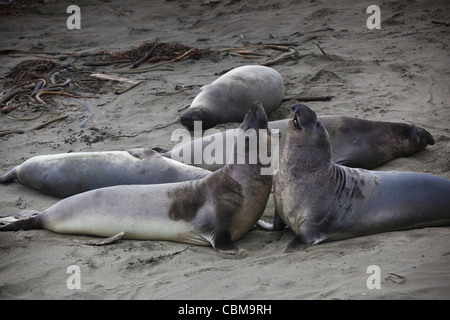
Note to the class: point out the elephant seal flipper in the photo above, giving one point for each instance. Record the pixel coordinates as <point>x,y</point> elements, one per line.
<point>9,176</point>
<point>143,153</point>
<point>277,225</point>
<point>323,201</point>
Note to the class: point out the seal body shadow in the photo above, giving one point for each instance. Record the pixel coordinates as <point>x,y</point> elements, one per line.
<point>320,200</point>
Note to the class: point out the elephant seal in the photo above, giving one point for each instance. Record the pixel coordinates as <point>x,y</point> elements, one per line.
<point>215,210</point>
<point>355,142</point>
<point>320,200</point>
<point>63,175</point>
<point>227,98</point>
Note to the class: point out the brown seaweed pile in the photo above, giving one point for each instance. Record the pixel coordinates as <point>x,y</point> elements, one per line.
<point>15,7</point>
<point>149,53</point>
<point>29,71</point>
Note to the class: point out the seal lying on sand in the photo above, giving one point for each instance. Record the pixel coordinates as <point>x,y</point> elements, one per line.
<point>320,200</point>
<point>63,175</point>
<point>356,142</point>
<point>215,210</point>
<point>228,97</point>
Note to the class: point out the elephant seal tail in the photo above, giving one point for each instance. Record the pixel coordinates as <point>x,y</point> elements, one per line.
<point>9,176</point>
<point>21,220</point>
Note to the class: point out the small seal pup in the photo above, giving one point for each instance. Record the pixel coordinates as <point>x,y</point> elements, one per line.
<point>355,142</point>
<point>215,210</point>
<point>227,98</point>
<point>67,174</point>
<point>320,200</point>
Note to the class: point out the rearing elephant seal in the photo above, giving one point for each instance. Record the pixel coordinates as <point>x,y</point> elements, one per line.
<point>228,97</point>
<point>215,210</point>
<point>320,200</point>
<point>63,175</point>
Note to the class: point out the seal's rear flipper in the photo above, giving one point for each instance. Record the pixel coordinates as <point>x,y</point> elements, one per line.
<point>159,149</point>
<point>8,176</point>
<point>164,152</point>
<point>22,220</point>
<point>298,243</point>
<point>143,153</point>
<point>278,224</point>
<point>222,243</point>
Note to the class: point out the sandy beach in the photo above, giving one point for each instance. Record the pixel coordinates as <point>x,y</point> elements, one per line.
<point>400,72</point>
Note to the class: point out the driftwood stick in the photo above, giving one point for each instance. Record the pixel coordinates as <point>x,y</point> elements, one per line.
<point>182,56</point>
<point>307,98</point>
<point>323,52</point>
<point>106,63</point>
<point>8,109</point>
<point>4,133</point>
<point>146,57</point>
<point>50,122</point>
<point>113,78</point>
<point>38,96</point>
<point>12,94</point>
<point>279,57</point>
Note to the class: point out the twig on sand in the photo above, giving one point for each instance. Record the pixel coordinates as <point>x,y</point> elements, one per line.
<point>8,109</point>
<point>146,57</point>
<point>49,122</point>
<point>261,46</point>
<point>308,98</point>
<point>245,56</point>
<point>27,119</point>
<point>323,52</point>
<point>112,78</point>
<point>12,94</point>
<point>106,63</point>
<point>279,57</point>
<point>38,96</point>
<point>4,133</point>
<point>447,24</point>
<point>129,88</point>
<point>181,56</point>
<point>169,255</point>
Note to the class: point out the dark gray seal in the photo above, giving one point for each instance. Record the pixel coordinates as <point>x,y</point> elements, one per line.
<point>215,210</point>
<point>67,174</point>
<point>320,200</point>
<point>227,98</point>
<point>356,142</point>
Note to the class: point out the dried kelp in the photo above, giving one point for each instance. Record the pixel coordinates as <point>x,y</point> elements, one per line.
<point>149,53</point>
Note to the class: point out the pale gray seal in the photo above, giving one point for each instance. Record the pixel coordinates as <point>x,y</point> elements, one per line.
<point>320,200</point>
<point>66,174</point>
<point>215,210</point>
<point>356,142</point>
<point>227,98</point>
